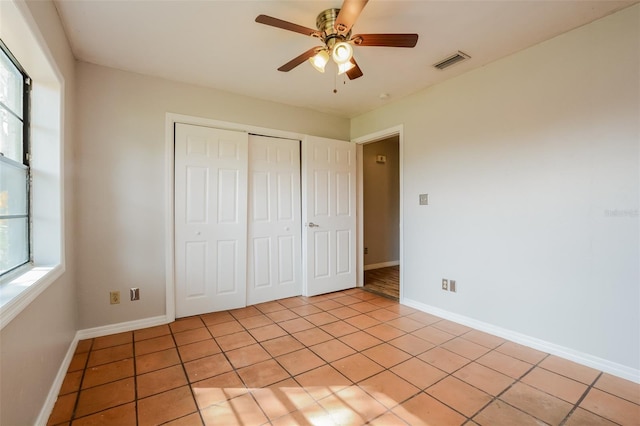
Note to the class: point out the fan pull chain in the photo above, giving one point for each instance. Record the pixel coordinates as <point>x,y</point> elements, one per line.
<point>335,83</point>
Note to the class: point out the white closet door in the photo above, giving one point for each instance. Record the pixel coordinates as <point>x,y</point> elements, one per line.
<point>330,215</point>
<point>275,249</point>
<point>210,219</point>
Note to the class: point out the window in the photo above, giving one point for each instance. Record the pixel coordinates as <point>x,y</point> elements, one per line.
<point>14,164</point>
<point>42,246</point>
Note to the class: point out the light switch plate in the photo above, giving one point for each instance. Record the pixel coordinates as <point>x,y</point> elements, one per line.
<point>424,199</point>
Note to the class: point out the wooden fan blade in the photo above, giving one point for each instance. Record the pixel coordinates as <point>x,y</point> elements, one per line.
<point>354,72</point>
<point>385,40</point>
<point>349,12</point>
<point>299,59</point>
<point>279,23</point>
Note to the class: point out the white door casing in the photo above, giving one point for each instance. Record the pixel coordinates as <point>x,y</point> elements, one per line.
<point>210,219</point>
<point>274,229</point>
<point>329,209</point>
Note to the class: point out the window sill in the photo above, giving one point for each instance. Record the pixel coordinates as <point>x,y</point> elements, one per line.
<point>20,289</point>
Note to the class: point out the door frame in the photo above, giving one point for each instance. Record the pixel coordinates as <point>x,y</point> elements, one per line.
<point>361,141</point>
<point>170,120</point>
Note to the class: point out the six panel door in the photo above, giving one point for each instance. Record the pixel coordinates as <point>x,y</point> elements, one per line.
<point>210,219</point>
<point>330,204</point>
<point>238,222</point>
<point>275,250</point>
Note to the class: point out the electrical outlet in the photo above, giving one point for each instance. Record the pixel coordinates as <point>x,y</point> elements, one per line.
<point>452,285</point>
<point>114,297</point>
<point>424,199</point>
<point>134,293</point>
<point>366,250</point>
<point>445,284</point>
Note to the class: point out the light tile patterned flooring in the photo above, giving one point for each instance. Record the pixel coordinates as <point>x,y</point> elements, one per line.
<point>345,358</point>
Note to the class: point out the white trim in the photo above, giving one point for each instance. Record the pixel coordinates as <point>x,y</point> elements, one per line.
<point>304,288</point>
<point>54,390</point>
<point>170,119</point>
<point>27,287</point>
<point>373,137</point>
<point>359,214</point>
<point>121,327</point>
<point>169,253</point>
<point>89,333</point>
<point>381,265</point>
<point>613,368</point>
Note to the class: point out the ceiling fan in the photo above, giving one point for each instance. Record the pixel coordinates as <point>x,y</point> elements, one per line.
<point>334,29</point>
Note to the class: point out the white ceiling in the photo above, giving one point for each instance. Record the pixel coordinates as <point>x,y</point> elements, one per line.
<point>217,44</point>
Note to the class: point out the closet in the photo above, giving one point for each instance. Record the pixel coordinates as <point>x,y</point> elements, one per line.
<point>239,203</point>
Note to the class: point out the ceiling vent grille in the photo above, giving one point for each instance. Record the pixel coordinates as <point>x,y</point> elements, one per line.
<point>452,60</point>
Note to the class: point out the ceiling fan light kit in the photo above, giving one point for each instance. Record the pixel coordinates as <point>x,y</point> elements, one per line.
<point>320,60</point>
<point>334,29</point>
<point>342,53</point>
<point>344,67</point>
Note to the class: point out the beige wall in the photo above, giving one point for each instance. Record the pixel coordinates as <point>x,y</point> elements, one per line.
<point>121,179</point>
<point>34,344</point>
<point>531,164</point>
<point>381,197</point>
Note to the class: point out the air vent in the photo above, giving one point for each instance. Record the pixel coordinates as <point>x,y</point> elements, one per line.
<point>452,60</point>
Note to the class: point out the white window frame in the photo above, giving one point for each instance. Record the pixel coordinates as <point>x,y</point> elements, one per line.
<point>24,161</point>
<point>22,286</point>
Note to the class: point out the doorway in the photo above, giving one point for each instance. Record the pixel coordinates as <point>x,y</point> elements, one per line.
<point>381,216</point>
<point>396,132</point>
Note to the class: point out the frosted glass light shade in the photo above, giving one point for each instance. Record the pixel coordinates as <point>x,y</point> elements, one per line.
<point>319,60</point>
<point>342,52</point>
<point>344,67</point>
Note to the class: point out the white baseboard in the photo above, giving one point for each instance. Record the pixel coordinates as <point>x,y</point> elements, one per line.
<point>601,364</point>
<point>47,407</point>
<point>89,333</point>
<point>121,327</point>
<point>381,265</point>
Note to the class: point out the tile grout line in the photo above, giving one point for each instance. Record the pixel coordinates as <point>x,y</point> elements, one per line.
<point>518,380</point>
<point>361,352</point>
<point>235,370</point>
<point>135,375</point>
<point>357,351</point>
<point>184,370</point>
<point>582,397</point>
<point>325,362</point>
<point>259,343</point>
<point>84,371</point>
<point>73,418</point>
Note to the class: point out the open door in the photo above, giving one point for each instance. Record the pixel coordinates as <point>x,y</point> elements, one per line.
<point>329,212</point>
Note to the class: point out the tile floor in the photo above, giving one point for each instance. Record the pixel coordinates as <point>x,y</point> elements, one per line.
<point>345,358</point>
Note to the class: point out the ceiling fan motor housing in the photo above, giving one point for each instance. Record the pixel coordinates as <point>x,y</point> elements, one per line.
<point>325,22</point>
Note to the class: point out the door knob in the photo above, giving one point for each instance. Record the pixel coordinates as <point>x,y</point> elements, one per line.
<point>313,225</point>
